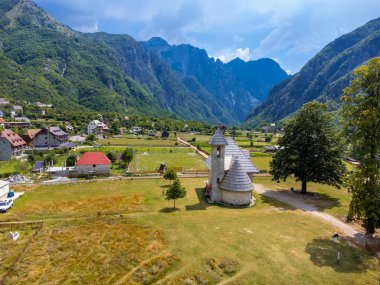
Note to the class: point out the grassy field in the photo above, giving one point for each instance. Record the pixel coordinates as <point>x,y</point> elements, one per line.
<point>151,161</point>
<point>14,166</point>
<point>124,232</point>
<point>137,142</point>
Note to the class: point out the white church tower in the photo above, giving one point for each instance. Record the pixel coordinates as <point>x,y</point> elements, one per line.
<point>218,143</point>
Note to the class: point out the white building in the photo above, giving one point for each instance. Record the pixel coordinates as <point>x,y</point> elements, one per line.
<point>230,172</point>
<point>4,188</point>
<point>97,128</point>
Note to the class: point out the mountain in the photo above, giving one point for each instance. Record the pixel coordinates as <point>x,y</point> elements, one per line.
<point>322,78</point>
<point>44,60</point>
<point>236,86</point>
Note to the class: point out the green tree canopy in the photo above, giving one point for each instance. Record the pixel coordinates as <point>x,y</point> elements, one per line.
<point>175,191</point>
<point>127,155</point>
<point>311,149</point>
<point>170,174</point>
<point>111,156</point>
<point>361,111</point>
<point>71,159</point>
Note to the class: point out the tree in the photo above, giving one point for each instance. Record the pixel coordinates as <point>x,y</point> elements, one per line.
<point>111,156</point>
<point>31,158</point>
<point>170,174</point>
<point>115,128</point>
<point>127,156</point>
<point>310,149</point>
<point>91,138</point>
<point>175,191</point>
<point>71,159</point>
<point>361,112</point>
<point>50,159</point>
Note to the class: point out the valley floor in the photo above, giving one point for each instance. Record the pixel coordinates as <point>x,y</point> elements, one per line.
<point>125,232</point>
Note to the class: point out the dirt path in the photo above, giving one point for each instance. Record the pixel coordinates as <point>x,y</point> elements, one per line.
<point>298,203</point>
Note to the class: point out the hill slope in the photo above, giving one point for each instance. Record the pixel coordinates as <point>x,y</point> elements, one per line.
<point>324,77</point>
<point>44,60</point>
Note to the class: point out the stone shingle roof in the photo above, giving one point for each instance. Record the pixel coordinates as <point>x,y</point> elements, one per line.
<point>217,139</point>
<point>236,178</point>
<point>232,149</point>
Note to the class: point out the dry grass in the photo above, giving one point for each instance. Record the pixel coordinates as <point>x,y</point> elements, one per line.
<point>197,244</point>
<point>97,251</point>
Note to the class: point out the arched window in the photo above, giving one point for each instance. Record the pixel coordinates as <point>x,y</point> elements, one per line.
<point>218,180</point>
<point>218,151</point>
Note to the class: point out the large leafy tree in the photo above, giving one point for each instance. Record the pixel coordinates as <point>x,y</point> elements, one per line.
<point>127,156</point>
<point>361,111</point>
<point>310,149</point>
<point>175,191</point>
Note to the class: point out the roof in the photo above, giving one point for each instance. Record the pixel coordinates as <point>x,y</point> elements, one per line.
<point>90,158</point>
<point>32,132</point>
<point>38,166</point>
<point>2,120</point>
<point>67,145</point>
<point>217,138</point>
<point>232,149</point>
<point>236,178</point>
<point>57,131</point>
<point>17,107</point>
<point>98,123</point>
<point>13,138</point>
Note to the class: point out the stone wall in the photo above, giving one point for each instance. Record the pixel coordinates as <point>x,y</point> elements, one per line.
<point>103,169</point>
<point>237,198</point>
<point>5,149</point>
<point>45,140</point>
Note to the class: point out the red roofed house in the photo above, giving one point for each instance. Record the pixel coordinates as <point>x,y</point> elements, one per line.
<point>11,145</point>
<point>94,163</point>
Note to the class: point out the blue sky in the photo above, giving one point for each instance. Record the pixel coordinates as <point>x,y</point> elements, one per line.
<point>289,31</point>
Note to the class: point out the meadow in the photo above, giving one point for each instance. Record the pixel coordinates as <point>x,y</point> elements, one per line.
<point>125,232</point>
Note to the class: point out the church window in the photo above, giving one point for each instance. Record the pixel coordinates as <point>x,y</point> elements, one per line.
<point>218,151</point>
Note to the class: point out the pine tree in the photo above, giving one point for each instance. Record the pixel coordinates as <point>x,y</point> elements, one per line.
<point>175,191</point>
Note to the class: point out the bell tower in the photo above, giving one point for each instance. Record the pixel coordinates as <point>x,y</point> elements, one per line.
<point>218,143</point>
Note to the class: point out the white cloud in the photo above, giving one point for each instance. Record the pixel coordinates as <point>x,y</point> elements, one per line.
<point>230,54</point>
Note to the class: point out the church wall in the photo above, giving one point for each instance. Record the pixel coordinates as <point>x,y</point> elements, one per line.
<point>236,198</point>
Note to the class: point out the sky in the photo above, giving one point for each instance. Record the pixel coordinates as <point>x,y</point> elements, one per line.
<point>288,31</point>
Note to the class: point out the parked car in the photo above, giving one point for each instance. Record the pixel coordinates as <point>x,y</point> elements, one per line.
<point>6,205</point>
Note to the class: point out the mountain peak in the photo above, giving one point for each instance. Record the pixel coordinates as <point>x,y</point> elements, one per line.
<point>22,13</point>
<point>157,42</point>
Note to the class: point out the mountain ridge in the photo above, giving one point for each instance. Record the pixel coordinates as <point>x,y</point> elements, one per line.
<point>323,77</point>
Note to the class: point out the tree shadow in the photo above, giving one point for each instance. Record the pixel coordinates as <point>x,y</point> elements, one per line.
<point>323,252</point>
<point>169,210</point>
<point>313,199</point>
<point>202,205</point>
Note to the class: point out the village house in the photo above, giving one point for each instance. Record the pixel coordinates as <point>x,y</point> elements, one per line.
<point>93,163</point>
<point>2,123</point>
<point>17,125</point>
<point>11,145</point>
<point>165,134</point>
<point>4,188</point>
<point>136,130</point>
<point>97,128</point>
<point>230,173</point>
<point>41,105</point>
<point>16,110</point>
<point>3,102</point>
<point>29,135</point>
<point>50,137</point>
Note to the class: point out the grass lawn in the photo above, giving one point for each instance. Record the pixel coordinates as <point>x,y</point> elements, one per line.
<point>124,232</point>
<point>14,165</point>
<point>262,162</point>
<point>137,142</point>
<point>150,161</point>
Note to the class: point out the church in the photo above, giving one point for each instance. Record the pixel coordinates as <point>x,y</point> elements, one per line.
<point>230,172</point>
